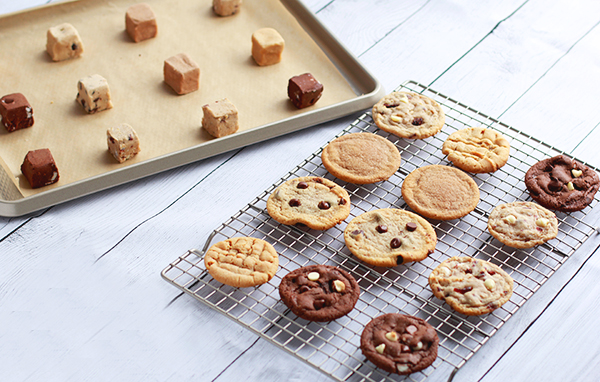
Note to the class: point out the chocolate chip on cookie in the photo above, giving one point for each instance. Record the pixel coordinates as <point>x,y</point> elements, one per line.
<point>399,343</point>
<point>562,184</point>
<point>319,292</point>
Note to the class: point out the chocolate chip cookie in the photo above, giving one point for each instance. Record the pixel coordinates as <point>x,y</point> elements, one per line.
<point>477,149</point>
<point>440,192</point>
<point>409,115</point>
<point>242,261</point>
<point>315,202</point>
<point>319,292</point>
<point>361,158</point>
<point>388,237</point>
<point>562,184</point>
<point>522,224</point>
<point>399,343</point>
<point>471,286</point>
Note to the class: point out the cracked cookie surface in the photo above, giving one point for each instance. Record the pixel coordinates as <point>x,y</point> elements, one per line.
<point>477,149</point>
<point>242,261</point>
<point>315,202</point>
<point>409,115</point>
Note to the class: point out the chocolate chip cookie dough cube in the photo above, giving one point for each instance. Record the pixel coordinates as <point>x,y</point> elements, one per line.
<point>93,94</point>
<point>39,168</point>
<point>267,46</point>
<point>226,7</point>
<point>63,42</point>
<point>15,112</point>
<point>182,73</point>
<point>123,142</point>
<point>304,90</point>
<point>140,22</point>
<point>220,118</point>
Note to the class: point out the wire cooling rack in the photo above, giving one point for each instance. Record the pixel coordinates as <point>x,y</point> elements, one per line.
<point>333,348</point>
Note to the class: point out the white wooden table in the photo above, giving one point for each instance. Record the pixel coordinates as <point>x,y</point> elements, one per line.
<point>81,297</point>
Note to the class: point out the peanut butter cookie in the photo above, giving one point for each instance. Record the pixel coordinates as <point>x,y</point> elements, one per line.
<point>477,149</point>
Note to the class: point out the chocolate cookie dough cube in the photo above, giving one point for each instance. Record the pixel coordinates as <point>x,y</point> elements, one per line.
<point>93,94</point>
<point>304,90</point>
<point>39,168</point>
<point>220,118</point>
<point>182,73</point>
<point>15,112</point>
<point>140,22</point>
<point>63,42</point>
<point>226,7</point>
<point>123,142</point>
<point>267,46</point>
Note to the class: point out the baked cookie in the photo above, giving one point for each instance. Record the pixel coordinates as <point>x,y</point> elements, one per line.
<point>388,237</point>
<point>315,202</point>
<point>471,286</point>
<point>409,115</point>
<point>399,343</point>
<point>319,292</point>
<point>522,224</point>
<point>562,184</point>
<point>361,158</point>
<point>477,149</point>
<point>440,192</point>
<point>242,261</point>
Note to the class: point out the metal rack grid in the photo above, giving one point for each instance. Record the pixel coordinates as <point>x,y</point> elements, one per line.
<point>333,348</point>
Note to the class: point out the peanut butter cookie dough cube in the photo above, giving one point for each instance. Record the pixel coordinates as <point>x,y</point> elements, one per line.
<point>123,142</point>
<point>140,22</point>
<point>220,118</point>
<point>63,42</point>
<point>226,7</point>
<point>93,94</point>
<point>182,73</point>
<point>267,46</point>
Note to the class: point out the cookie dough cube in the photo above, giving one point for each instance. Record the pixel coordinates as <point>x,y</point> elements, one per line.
<point>140,22</point>
<point>182,73</point>
<point>267,46</point>
<point>93,94</point>
<point>123,142</point>
<point>304,90</point>
<point>39,168</point>
<point>226,7</point>
<point>220,118</point>
<point>15,112</point>
<point>63,42</point>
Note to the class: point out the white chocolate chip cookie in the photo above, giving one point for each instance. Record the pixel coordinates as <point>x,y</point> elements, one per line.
<point>471,286</point>
<point>522,224</point>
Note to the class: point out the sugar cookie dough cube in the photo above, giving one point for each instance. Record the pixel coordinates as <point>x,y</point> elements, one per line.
<point>39,168</point>
<point>63,42</point>
<point>226,7</point>
<point>304,90</point>
<point>220,118</point>
<point>15,112</point>
<point>123,142</point>
<point>93,94</point>
<point>267,46</point>
<point>182,73</point>
<point>140,22</point>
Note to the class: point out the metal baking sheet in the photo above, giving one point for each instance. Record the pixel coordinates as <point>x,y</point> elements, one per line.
<point>349,87</point>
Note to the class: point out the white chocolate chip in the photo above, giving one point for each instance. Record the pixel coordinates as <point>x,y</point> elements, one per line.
<point>380,348</point>
<point>392,336</point>
<point>395,118</point>
<point>401,368</point>
<point>570,186</point>
<point>489,284</point>
<point>576,173</point>
<point>419,346</point>
<point>542,222</point>
<point>511,219</point>
<point>446,271</point>
<point>313,276</point>
<point>339,285</point>
<point>404,98</point>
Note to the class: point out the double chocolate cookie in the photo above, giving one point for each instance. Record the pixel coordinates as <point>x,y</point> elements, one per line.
<point>319,292</point>
<point>562,184</point>
<point>399,343</point>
